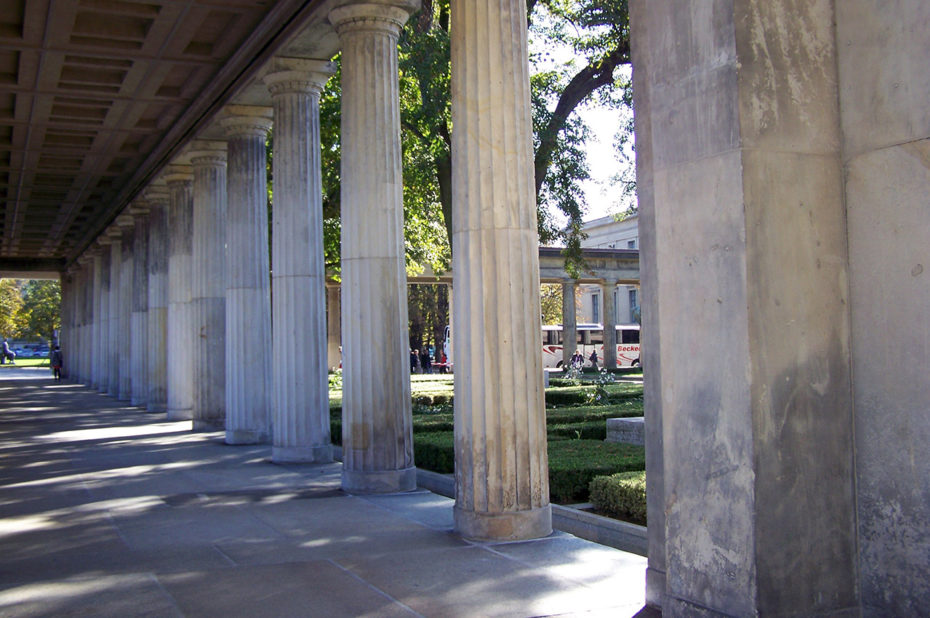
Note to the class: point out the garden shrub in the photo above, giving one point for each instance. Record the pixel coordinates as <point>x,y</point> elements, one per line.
<point>587,430</point>
<point>435,451</point>
<point>622,496</point>
<point>574,463</point>
<point>573,396</point>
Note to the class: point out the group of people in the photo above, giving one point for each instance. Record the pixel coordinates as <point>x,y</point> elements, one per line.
<point>422,362</point>
<point>577,360</point>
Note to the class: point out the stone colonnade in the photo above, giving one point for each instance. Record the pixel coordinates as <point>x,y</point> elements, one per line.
<point>172,310</point>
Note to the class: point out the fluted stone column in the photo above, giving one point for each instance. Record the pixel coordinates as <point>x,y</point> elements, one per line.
<point>113,364</point>
<point>82,292</point>
<point>608,292</point>
<point>181,336</point>
<point>157,361</point>
<point>501,484</point>
<point>569,323</point>
<point>140,306</point>
<point>208,289</point>
<point>300,400</point>
<point>333,326</point>
<point>103,320</point>
<point>125,223</point>
<point>94,330</point>
<point>377,434</point>
<point>67,320</point>
<point>248,304</point>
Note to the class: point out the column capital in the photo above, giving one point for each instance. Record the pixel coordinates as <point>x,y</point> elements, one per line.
<point>246,120</point>
<point>208,153</point>
<point>125,221</point>
<point>298,75</point>
<point>384,16</point>
<point>156,194</point>
<point>177,173</point>
<point>138,208</point>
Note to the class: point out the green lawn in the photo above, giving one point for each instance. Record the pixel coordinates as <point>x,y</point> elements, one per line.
<point>27,362</point>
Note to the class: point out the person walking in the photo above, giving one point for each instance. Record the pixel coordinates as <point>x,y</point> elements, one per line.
<point>425,361</point>
<point>414,361</point>
<point>7,354</point>
<point>593,358</point>
<point>54,360</point>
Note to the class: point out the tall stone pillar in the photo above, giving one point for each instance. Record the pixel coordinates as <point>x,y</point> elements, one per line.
<point>248,304</point>
<point>333,327</point>
<point>182,339</point>
<point>569,322</point>
<point>125,223</point>
<point>609,292</point>
<point>139,346</point>
<point>745,205</point>
<point>300,391</point>
<point>96,273</point>
<point>67,319</point>
<point>208,286</point>
<point>103,320</point>
<point>501,471</point>
<point>80,312</point>
<point>157,360</point>
<point>377,427</point>
<point>113,364</point>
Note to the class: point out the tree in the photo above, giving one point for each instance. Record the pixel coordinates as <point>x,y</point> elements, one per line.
<point>11,302</point>
<point>598,33</point>
<point>550,296</point>
<point>41,309</point>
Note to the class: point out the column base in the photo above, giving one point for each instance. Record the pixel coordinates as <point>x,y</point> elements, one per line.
<point>302,454</point>
<point>208,425</point>
<point>509,526</point>
<point>655,587</point>
<point>180,414</point>
<point>246,436</point>
<point>379,481</point>
<point>155,407</point>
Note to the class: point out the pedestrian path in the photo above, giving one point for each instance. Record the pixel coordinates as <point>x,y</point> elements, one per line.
<point>107,510</point>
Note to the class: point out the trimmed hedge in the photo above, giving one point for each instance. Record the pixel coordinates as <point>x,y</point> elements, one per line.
<point>588,430</point>
<point>573,464</point>
<point>434,451</point>
<point>622,496</point>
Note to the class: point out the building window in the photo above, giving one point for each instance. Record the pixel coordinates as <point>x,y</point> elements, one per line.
<point>634,304</point>
<point>631,244</point>
<point>595,308</point>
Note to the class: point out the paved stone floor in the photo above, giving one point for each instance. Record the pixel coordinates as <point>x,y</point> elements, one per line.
<point>106,510</point>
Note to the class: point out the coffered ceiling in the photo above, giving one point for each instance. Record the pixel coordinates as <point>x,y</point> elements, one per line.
<point>97,95</point>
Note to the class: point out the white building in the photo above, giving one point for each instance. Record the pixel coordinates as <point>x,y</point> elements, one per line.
<point>609,233</point>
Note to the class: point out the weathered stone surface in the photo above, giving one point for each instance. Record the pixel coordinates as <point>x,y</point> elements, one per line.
<point>139,347</point>
<point>157,369</point>
<point>208,286</point>
<point>502,489</point>
<point>626,430</point>
<point>746,208</point>
<point>125,308</point>
<point>248,304</point>
<point>377,428</point>
<point>180,330</point>
<point>300,398</point>
<point>113,366</point>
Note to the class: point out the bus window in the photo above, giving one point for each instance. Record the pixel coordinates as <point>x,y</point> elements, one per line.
<point>560,337</point>
<point>596,337</point>
<point>629,335</point>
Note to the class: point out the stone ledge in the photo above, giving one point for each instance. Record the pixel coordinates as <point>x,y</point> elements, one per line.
<point>626,430</point>
<point>604,530</point>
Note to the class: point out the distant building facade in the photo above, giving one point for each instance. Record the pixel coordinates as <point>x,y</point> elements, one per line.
<point>609,233</point>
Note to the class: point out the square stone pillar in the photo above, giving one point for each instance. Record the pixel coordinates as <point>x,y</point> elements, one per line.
<point>885,113</point>
<point>377,427</point>
<point>182,339</point>
<point>609,292</point>
<point>157,362</point>
<point>248,301</point>
<point>208,286</point>
<point>300,387</point>
<point>569,322</point>
<point>501,465</point>
<point>744,201</point>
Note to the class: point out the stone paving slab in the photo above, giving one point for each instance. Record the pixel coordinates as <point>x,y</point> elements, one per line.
<point>107,510</point>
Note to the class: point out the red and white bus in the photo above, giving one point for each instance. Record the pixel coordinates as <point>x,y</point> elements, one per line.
<point>590,338</point>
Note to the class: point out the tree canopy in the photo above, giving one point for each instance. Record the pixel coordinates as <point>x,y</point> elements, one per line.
<point>595,32</point>
<point>29,309</point>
